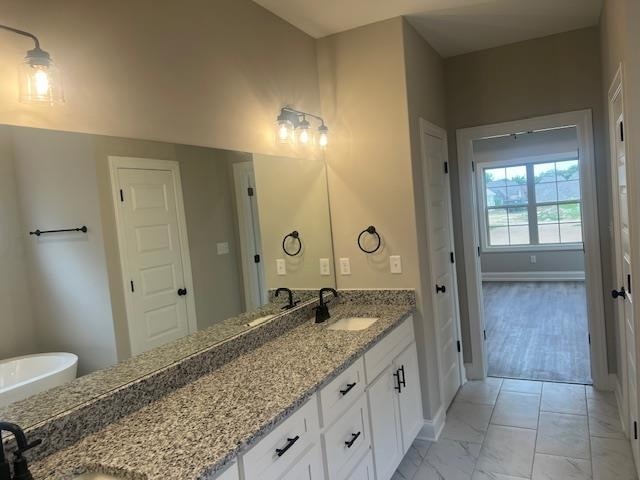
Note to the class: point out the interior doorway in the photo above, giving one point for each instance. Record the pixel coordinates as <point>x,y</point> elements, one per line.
<point>532,250</point>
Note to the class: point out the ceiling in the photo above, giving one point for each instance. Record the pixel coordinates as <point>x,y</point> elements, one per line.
<point>452,27</point>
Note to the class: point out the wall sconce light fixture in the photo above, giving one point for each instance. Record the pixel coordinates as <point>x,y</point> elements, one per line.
<point>294,126</point>
<point>40,79</point>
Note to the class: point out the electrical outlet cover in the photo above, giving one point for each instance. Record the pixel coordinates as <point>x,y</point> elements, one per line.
<point>281,266</point>
<point>345,266</point>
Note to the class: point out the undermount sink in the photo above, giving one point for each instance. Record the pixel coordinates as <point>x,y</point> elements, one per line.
<point>353,323</point>
<point>97,476</point>
<point>260,321</point>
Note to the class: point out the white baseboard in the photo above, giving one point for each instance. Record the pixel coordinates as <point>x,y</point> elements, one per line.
<point>473,372</point>
<point>432,429</point>
<point>532,276</point>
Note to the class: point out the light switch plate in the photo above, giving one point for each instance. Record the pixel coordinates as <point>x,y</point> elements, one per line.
<point>281,266</point>
<point>223,248</point>
<point>325,268</point>
<point>345,266</point>
<point>395,264</point>
<point>533,259</point>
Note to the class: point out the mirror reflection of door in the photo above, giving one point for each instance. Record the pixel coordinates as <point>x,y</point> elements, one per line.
<point>255,291</point>
<point>153,254</point>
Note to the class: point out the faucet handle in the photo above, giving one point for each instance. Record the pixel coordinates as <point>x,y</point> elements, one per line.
<point>31,445</point>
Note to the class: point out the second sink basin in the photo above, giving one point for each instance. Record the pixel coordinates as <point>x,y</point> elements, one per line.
<point>353,323</point>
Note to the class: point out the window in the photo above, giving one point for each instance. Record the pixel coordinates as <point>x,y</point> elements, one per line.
<point>534,203</point>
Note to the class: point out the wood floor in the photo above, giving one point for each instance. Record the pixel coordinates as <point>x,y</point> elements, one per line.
<point>537,331</point>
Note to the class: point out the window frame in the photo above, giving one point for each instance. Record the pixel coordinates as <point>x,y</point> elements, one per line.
<point>531,205</point>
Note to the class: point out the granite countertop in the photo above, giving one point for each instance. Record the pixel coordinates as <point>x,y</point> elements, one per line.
<point>193,432</point>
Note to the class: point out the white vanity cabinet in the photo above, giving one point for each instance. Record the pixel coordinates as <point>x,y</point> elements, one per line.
<point>357,427</point>
<point>394,397</point>
<point>230,473</point>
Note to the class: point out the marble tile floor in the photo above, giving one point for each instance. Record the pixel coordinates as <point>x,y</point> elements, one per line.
<point>503,429</point>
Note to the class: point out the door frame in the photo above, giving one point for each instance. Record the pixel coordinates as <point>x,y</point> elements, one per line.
<point>582,120</point>
<point>438,132</point>
<point>622,385</point>
<point>116,163</point>
<point>253,277</point>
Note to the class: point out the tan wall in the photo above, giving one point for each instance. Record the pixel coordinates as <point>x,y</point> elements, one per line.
<point>300,205</point>
<point>69,290</point>
<point>201,73</point>
<point>548,75</point>
<point>424,70</point>
<point>17,323</point>
<point>363,91</point>
<point>372,96</point>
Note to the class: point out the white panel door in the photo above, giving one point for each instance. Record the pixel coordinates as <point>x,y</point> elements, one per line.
<point>410,396</point>
<point>441,258</point>
<point>623,262</point>
<point>154,258</point>
<point>386,435</point>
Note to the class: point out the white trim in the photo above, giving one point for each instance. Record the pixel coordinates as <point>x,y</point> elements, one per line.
<point>576,276</point>
<point>437,132</point>
<point>116,163</point>
<point>615,89</point>
<point>432,429</point>
<point>470,226</point>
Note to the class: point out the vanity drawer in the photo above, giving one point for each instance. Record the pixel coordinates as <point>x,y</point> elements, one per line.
<point>342,392</point>
<point>383,353</point>
<point>309,467</point>
<point>347,440</point>
<point>275,453</point>
<point>364,469</point>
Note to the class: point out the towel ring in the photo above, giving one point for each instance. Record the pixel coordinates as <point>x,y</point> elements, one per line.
<point>295,235</point>
<point>371,230</point>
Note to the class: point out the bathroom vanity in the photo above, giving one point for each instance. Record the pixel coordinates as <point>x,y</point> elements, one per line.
<point>309,403</point>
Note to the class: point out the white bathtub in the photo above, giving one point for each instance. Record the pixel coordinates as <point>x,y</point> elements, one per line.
<point>21,377</point>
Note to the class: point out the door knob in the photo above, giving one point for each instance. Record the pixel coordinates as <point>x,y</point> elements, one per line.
<point>622,293</point>
<point>440,288</point>
<point>182,291</point>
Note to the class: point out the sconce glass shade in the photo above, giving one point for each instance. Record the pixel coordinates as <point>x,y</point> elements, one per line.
<point>323,136</point>
<point>285,131</point>
<point>304,136</point>
<point>40,79</point>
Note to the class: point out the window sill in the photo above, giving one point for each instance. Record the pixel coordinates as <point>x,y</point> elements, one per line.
<point>573,247</point>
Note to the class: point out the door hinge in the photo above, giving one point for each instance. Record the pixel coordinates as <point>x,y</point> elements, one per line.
<point>446,167</point>
<point>473,166</point>
<point>589,337</point>
<point>250,191</point>
<point>629,283</point>
<point>256,258</point>
<point>478,250</point>
<point>459,346</point>
<point>635,430</point>
<point>484,333</point>
<point>121,195</point>
<point>452,257</point>
<point>133,288</point>
<point>622,131</point>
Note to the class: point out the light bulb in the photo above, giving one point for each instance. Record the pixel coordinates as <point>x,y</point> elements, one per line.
<point>304,136</point>
<point>283,132</point>
<point>323,136</point>
<point>41,82</point>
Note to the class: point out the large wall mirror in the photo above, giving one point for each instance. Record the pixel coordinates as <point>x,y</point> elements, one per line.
<point>179,239</point>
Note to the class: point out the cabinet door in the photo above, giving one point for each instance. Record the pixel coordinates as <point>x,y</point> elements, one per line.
<point>410,396</point>
<point>364,470</point>
<point>309,467</point>
<point>384,412</point>
<point>230,474</point>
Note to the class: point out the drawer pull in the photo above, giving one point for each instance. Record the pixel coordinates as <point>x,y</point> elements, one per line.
<point>398,387</point>
<point>348,389</point>
<point>404,378</point>
<point>290,443</point>
<point>354,437</point>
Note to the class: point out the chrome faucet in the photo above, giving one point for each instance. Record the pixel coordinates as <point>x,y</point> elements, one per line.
<point>322,310</point>
<point>20,466</point>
